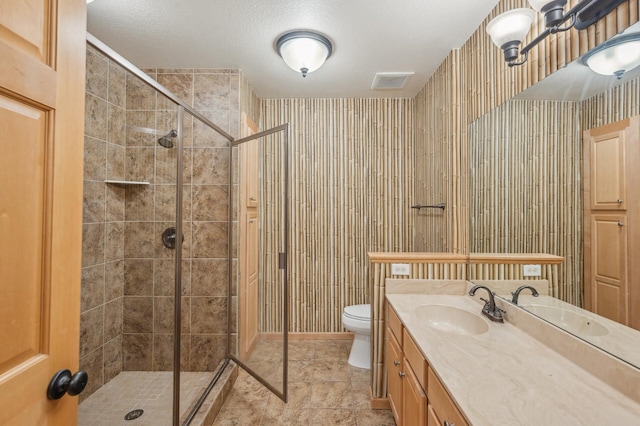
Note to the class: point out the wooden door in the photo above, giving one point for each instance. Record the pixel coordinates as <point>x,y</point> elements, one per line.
<point>249,239</point>
<point>611,176</point>
<point>42,74</point>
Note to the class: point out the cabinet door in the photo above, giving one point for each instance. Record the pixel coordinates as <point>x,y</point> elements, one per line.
<point>608,182</point>
<point>414,399</point>
<point>394,377</point>
<point>432,419</point>
<point>609,256</point>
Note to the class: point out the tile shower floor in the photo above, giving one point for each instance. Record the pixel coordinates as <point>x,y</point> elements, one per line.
<point>323,390</point>
<point>149,391</point>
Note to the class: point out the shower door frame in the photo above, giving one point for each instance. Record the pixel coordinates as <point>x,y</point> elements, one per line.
<point>282,262</point>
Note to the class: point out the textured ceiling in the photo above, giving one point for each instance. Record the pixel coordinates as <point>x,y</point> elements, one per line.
<point>369,36</point>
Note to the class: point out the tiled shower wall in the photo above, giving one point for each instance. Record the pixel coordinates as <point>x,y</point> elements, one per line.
<point>103,222</point>
<point>127,275</point>
<point>148,344</point>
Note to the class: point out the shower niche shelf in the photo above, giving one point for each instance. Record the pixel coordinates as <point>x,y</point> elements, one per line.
<point>125,182</point>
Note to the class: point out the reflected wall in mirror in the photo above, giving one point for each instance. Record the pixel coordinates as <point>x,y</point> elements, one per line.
<point>526,173</point>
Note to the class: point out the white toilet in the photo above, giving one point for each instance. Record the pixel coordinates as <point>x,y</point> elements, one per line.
<point>357,318</point>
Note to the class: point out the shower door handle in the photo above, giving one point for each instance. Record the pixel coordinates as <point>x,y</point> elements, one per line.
<point>63,382</point>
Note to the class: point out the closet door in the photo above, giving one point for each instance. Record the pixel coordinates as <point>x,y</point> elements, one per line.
<point>42,71</point>
<point>611,174</point>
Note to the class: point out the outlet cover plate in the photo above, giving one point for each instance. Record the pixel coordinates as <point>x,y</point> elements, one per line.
<point>532,270</point>
<point>400,269</point>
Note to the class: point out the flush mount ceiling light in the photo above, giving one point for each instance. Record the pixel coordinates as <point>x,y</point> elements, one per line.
<point>616,56</point>
<point>304,51</point>
<point>509,29</point>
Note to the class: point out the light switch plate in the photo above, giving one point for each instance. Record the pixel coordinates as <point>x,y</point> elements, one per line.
<point>400,269</point>
<point>532,270</point>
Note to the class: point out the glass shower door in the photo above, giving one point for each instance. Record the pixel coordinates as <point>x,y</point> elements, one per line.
<point>259,309</point>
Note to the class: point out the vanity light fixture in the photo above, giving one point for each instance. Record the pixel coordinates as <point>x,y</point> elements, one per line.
<point>304,51</point>
<point>509,29</point>
<point>616,56</point>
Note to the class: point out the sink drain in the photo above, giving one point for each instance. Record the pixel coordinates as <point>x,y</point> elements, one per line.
<point>133,414</point>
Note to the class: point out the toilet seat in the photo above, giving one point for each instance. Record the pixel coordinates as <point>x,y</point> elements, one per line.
<point>358,312</point>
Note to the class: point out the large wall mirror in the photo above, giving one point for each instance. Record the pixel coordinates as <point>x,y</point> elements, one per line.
<point>526,184</point>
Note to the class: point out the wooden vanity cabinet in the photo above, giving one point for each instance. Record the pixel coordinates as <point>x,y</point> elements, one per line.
<point>406,376</point>
<point>415,393</point>
<point>442,410</point>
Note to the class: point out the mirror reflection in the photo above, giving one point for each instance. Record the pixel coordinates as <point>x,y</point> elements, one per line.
<point>553,171</point>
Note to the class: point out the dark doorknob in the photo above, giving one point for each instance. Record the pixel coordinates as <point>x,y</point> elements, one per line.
<point>63,382</point>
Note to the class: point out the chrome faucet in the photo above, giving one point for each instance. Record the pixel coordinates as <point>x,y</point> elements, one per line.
<point>516,293</point>
<point>490,310</point>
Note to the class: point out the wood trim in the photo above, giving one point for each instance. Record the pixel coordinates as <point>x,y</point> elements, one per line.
<point>308,336</point>
<point>378,403</point>
<point>42,91</point>
<point>417,257</point>
<point>515,258</point>
<point>618,126</point>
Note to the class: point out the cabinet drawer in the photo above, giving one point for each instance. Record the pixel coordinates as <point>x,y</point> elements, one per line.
<point>415,358</point>
<point>394,324</point>
<point>445,409</point>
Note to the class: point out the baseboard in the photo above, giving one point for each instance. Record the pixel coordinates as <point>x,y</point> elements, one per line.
<point>308,336</point>
<point>378,403</point>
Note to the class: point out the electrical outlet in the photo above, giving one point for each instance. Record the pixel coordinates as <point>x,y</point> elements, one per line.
<point>400,269</point>
<point>532,270</point>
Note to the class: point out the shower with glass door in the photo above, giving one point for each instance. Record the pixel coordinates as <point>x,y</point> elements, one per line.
<point>179,265</point>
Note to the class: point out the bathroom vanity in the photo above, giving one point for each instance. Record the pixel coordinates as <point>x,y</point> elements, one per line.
<point>447,364</point>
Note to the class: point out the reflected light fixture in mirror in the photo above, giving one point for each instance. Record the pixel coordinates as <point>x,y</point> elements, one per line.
<point>616,56</point>
<point>304,51</point>
<point>582,15</point>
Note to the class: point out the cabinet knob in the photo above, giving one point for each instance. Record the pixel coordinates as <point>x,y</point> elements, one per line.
<point>446,423</point>
<point>620,224</point>
<point>401,374</point>
<point>396,362</point>
<point>620,201</point>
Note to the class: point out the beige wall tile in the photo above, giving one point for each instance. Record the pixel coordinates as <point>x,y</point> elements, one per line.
<point>117,85</point>
<point>206,352</point>
<point>91,329</point>
<point>210,239</point>
<point>116,129</point>
<point>112,358</point>
<point>93,364</point>
<point>95,117</point>
<point>114,241</point>
<point>114,280</point>
<point>208,315</point>
<point>113,319</point>
<point>93,244</point>
<point>139,239</point>
<point>211,91</point>
<point>95,159</point>
<point>210,277</point>
<point>139,164</point>
<point>115,162</point>
<point>138,277</point>
<point>210,166</point>
<point>137,350</point>
<point>138,203</point>
<point>92,288</point>
<point>97,74</point>
<point>137,316</point>
<point>93,202</point>
<point>210,203</point>
<point>115,202</point>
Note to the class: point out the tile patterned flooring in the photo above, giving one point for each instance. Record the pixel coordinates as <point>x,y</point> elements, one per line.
<point>149,391</point>
<point>323,390</point>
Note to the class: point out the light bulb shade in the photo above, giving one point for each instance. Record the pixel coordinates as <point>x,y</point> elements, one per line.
<point>511,26</point>
<point>615,56</point>
<point>304,51</point>
<point>540,4</point>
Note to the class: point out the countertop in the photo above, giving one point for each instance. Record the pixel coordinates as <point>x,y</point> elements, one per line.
<point>505,376</point>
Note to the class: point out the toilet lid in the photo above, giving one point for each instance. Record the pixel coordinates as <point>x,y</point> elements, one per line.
<point>358,311</point>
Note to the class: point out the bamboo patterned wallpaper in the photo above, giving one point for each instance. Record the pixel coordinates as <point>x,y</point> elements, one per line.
<point>437,160</point>
<point>524,187</point>
<point>350,163</point>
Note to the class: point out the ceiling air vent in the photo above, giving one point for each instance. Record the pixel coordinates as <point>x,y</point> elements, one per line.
<point>390,80</point>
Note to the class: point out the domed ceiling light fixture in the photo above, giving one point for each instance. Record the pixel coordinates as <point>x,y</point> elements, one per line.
<point>304,51</point>
<point>509,29</point>
<point>616,56</point>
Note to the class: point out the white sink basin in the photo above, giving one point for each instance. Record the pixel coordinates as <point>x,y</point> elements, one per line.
<point>573,322</point>
<point>451,319</point>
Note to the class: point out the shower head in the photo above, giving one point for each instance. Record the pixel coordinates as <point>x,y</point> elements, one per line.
<point>167,140</point>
